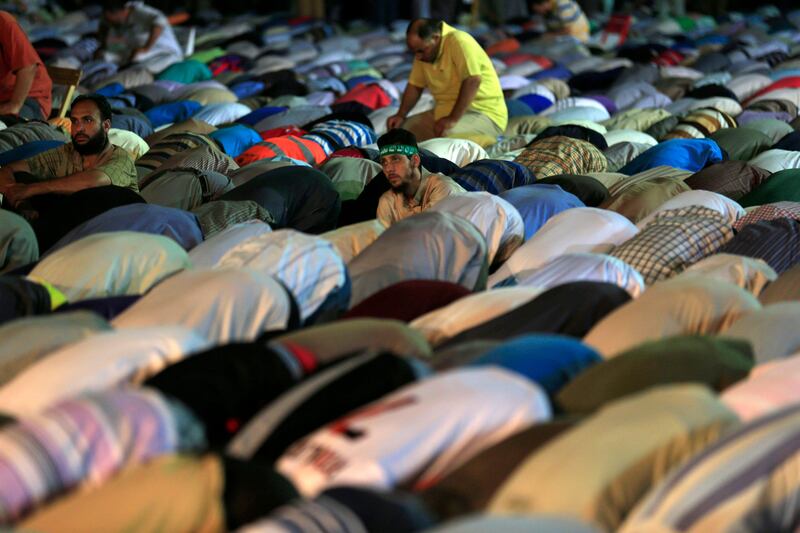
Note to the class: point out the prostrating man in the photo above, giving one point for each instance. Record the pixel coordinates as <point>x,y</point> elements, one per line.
<point>414,189</point>
<point>25,87</point>
<point>90,160</point>
<point>563,17</point>
<point>136,33</point>
<point>462,80</point>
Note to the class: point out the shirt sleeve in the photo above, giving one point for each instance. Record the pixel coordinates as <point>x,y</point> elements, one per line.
<point>120,169</point>
<point>441,188</point>
<point>16,48</point>
<point>151,16</point>
<point>46,165</point>
<point>417,76</point>
<point>384,213</point>
<point>465,54</point>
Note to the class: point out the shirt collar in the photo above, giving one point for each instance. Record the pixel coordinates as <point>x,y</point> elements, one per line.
<point>446,30</point>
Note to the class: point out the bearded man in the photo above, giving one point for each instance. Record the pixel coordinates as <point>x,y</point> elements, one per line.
<point>90,160</point>
<point>414,189</point>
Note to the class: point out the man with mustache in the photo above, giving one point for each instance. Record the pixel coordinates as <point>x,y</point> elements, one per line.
<point>414,189</point>
<point>90,160</point>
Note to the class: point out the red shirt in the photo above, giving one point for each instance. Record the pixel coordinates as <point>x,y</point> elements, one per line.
<point>17,52</point>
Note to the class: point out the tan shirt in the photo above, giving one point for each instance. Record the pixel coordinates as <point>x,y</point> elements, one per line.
<point>394,206</point>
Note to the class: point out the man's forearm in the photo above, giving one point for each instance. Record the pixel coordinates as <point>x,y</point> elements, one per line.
<point>155,33</point>
<point>22,86</point>
<point>410,97</point>
<point>466,94</point>
<point>70,184</point>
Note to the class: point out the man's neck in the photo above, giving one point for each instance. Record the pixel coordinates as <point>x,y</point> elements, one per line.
<point>413,187</point>
<point>90,160</point>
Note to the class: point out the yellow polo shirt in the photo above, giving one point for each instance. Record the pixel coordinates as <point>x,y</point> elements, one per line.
<point>460,56</point>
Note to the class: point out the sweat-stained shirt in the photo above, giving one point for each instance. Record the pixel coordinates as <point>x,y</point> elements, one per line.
<point>460,56</point>
<point>433,188</point>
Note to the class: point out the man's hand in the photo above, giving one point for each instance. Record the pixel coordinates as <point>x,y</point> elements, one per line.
<point>443,125</point>
<point>15,193</point>
<point>135,52</point>
<point>395,121</point>
<point>9,108</point>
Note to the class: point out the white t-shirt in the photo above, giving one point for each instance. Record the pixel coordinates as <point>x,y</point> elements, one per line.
<point>418,433</point>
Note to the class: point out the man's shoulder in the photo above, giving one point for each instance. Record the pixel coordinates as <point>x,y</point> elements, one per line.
<point>66,150</point>
<point>117,152</point>
<point>460,38</point>
<point>388,195</point>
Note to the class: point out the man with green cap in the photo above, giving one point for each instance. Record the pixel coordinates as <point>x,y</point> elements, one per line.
<point>414,189</point>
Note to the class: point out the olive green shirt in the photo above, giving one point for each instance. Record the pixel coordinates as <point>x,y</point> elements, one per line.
<point>63,161</point>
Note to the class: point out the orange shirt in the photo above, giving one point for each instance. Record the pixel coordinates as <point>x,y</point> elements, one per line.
<point>17,52</point>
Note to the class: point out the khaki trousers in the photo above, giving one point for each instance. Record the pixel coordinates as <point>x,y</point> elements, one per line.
<point>473,126</point>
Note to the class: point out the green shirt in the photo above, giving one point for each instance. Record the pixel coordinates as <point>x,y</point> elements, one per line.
<point>63,161</point>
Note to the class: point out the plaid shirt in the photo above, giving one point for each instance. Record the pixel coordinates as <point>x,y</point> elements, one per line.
<point>562,155</point>
<point>769,212</point>
<point>674,240</point>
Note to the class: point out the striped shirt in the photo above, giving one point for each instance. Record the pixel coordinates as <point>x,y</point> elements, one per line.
<point>744,482</point>
<point>775,241</point>
<point>85,441</point>
<point>340,134</point>
<point>218,215</point>
<point>701,123</point>
<point>309,266</point>
<point>568,15</point>
<point>493,176</point>
<point>167,148</point>
<point>303,148</point>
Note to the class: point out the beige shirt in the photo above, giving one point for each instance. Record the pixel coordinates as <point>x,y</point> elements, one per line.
<point>433,188</point>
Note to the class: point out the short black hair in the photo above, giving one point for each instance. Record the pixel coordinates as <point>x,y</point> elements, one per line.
<point>398,136</point>
<point>99,100</point>
<point>537,2</point>
<point>111,6</point>
<point>425,28</point>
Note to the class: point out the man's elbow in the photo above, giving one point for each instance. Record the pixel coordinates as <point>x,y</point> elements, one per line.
<point>101,180</point>
<point>473,81</point>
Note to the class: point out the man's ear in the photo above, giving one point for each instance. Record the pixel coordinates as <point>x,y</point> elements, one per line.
<point>107,124</point>
<point>416,161</point>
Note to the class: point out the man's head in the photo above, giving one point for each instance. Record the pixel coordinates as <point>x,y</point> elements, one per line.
<point>91,119</point>
<point>400,160</point>
<point>115,11</point>
<point>541,7</point>
<point>424,38</point>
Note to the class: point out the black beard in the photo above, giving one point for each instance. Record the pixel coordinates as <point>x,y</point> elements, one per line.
<point>96,144</point>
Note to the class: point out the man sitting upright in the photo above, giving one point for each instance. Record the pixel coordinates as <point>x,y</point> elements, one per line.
<point>414,189</point>
<point>90,160</point>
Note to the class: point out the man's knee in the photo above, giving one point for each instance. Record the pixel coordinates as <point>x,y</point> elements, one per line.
<point>421,126</point>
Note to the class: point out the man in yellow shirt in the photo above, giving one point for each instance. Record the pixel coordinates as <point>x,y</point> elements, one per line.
<point>414,189</point>
<point>462,80</point>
